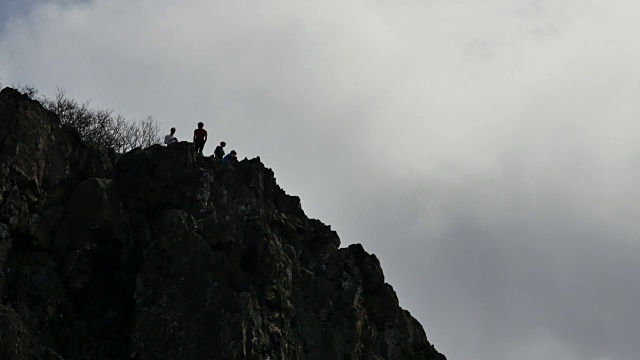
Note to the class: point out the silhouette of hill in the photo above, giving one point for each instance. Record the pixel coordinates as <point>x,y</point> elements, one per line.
<point>159,254</point>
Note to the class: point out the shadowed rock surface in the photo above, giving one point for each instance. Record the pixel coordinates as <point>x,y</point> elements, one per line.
<point>159,254</point>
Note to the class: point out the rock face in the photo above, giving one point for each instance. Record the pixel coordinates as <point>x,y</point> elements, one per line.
<point>157,254</point>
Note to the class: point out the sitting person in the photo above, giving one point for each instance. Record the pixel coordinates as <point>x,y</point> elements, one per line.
<point>171,139</point>
<point>230,158</point>
<point>219,151</point>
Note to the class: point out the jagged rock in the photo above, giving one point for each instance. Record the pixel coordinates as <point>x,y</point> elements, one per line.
<point>92,217</point>
<point>5,246</point>
<point>16,343</point>
<point>160,254</point>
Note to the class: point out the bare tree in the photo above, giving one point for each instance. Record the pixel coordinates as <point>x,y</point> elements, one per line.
<point>141,134</point>
<point>97,126</point>
<point>101,126</point>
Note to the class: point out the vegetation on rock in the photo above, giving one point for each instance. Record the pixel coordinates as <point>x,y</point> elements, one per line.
<point>98,126</point>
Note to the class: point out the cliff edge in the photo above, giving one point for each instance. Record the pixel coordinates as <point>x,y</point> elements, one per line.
<point>159,254</point>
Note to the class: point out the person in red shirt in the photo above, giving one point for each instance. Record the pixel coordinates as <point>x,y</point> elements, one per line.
<point>200,138</point>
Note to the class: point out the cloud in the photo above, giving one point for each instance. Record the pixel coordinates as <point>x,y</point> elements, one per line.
<point>485,152</point>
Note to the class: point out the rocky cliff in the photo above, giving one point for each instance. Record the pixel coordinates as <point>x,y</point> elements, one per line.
<point>157,254</point>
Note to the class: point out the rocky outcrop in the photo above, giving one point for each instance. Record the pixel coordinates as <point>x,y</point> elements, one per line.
<point>159,254</point>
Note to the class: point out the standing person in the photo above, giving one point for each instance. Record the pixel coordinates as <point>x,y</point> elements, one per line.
<point>171,139</point>
<point>199,138</point>
<point>219,151</point>
<point>230,158</point>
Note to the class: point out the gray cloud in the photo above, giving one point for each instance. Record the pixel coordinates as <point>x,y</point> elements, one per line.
<point>485,152</point>
<point>11,9</point>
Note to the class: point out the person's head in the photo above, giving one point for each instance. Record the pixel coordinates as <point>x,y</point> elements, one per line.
<point>200,125</point>
<point>173,131</point>
<point>223,144</point>
<point>233,152</point>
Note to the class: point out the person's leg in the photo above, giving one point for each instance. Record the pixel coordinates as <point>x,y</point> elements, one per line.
<point>199,146</point>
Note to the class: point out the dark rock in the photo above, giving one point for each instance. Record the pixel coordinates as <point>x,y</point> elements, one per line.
<point>16,343</point>
<point>160,254</point>
<point>92,217</point>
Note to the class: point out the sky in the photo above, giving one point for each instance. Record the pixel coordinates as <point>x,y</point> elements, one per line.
<point>486,151</point>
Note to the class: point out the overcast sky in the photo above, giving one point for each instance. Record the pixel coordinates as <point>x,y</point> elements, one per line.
<point>485,151</point>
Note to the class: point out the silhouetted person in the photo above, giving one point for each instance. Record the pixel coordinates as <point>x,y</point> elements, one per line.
<point>219,151</point>
<point>230,158</point>
<point>199,138</point>
<point>171,139</point>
